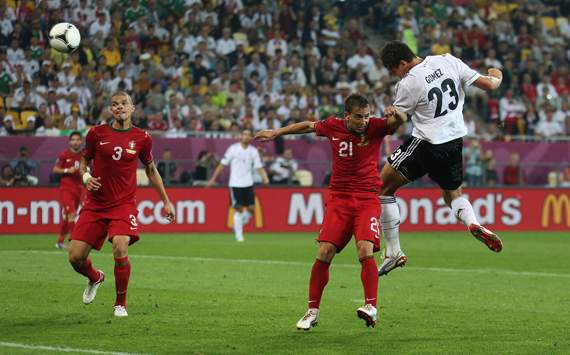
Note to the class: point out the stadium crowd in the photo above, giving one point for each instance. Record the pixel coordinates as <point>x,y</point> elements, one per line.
<point>195,66</point>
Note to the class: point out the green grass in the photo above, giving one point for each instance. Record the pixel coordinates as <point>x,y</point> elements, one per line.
<point>204,294</point>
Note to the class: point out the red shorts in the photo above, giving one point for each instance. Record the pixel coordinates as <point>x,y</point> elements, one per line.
<point>348,214</point>
<point>69,201</point>
<point>93,227</point>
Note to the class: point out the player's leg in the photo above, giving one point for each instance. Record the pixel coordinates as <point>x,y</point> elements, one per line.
<point>63,230</point>
<point>335,233</point>
<point>90,233</point>
<point>236,200</point>
<point>317,282</point>
<point>403,166</point>
<point>367,235</point>
<point>122,272</point>
<point>249,205</point>
<point>463,210</point>
<point>447,171</point>
<point>369,278</point>
<point>79,259</point>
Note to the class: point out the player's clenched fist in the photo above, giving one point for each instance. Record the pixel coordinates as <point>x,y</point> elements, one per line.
<point>266,135</point>
<point>494,72</point>
<point>169,211</point>
<point>93,184</point>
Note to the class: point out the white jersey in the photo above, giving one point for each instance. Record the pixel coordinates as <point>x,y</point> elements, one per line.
<point>242,163</point>
<point>433,93</point>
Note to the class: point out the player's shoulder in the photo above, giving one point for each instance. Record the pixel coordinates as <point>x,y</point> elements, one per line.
<point>140,132</point>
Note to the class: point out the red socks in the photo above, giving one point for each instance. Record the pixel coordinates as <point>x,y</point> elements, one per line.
<point>86,269</point>
<point>122,274</point>
<point>369,277</point>
<point>319,279</point>
<point>65,227</point>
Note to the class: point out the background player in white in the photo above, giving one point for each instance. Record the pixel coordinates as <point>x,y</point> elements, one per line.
<point>432,91</point>
<point>242,159</point>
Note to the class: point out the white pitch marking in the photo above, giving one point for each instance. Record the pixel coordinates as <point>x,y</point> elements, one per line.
<point>300,263</point>
<point>63,349</point>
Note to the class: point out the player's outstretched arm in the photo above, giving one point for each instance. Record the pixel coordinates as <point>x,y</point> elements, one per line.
<point>156,181</point>
<point>215,175</point>
<point>395,117</point>
<point>491,81</point>
<point>295,128</point>
<point>92,183</point>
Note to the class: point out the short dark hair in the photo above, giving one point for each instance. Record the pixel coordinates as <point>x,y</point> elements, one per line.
<point>74,133</point>
<point>394,52</point>
<point>354,101</point>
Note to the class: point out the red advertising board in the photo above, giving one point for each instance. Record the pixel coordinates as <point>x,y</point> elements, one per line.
<point>36,210</point>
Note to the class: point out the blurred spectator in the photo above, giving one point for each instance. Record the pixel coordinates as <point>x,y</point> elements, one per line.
<point>23,168</point>
<point>547,127</point>
<point>283,169</point>
<point>205,166</point>
<point>7,178</point>
<point>565,177</point>
<point>513,173</point>
<point>491,178</point>
<point>74,121</point>
<point>167,168</point>
<point>473,166</point>
<point>7,126</point>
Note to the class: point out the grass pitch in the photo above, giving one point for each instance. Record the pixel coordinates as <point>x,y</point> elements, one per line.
<point>208,294</point>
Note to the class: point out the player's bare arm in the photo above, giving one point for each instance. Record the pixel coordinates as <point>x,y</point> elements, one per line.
<point>215,175</point>
<point>491,81</point>
<point>395,117</point>
<point>156,181</point>
<point>61,171</point>
<point>295,128</point>
<point>263,175</point>
<point>92,183</point>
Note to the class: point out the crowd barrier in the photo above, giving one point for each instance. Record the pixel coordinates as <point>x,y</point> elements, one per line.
<point>37,210</point>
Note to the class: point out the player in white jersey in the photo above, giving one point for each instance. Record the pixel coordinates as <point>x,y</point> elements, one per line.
<point>432,91</point>
<point>242,159</point>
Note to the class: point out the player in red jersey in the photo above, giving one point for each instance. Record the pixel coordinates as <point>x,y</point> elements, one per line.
<point>70,185</point>
<point>353,206</point>
<point>109,210</point>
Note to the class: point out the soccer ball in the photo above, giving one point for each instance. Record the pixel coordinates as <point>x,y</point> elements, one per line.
<point>64,37</point>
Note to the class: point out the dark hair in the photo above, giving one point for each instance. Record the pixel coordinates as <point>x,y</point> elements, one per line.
<point>394,52</point>
<point>74,133</point>
<point>354,101</point>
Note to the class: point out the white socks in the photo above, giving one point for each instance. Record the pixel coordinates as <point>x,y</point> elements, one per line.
<point>238,226</point>
<point>246,216</point>
<point>463,210</point>
<point>390,220</point>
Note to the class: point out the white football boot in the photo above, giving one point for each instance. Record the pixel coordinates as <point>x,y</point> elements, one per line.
<point>310,319</point>
<point>120,311</point>
<point>390,263</point>
<point>91,288</point>
<point>368,313</point>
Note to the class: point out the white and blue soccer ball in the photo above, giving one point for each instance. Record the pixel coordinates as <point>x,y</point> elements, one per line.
<point>64,37</point>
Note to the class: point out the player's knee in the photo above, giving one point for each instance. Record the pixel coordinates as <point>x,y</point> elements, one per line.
<point>120,247</point>
<point>76,259</point>
<point>365,249</point>
<point>326,252</point>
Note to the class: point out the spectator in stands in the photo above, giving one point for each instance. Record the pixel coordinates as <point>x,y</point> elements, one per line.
<point>490,176</point>
<point>7,126</point>
<point>473,165</point>
<point>7,178</point>
<point>167,168</point>
<point>74,121</point>
<point>547,127</point>
<point>283,169</point>
<point>565,177</point>
<point>23,168</point>
<point>205,166</point>
<point>513,173</point>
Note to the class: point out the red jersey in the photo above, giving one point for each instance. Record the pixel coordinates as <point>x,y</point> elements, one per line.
<point>115,155</point>
<point>355,157</point>
<point>70,182</point>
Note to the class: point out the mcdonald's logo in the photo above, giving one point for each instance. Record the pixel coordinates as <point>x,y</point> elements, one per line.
<point>257,215</point>
<point>553,209</point>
